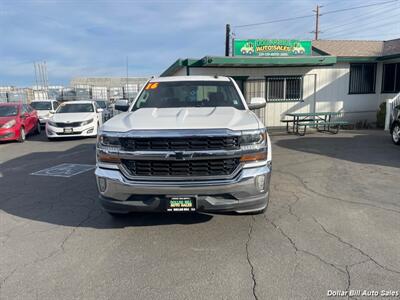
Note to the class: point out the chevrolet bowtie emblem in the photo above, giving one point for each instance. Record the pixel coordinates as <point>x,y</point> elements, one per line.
<point>179,155</point>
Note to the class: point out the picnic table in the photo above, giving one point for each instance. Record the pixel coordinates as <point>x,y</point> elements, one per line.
<point>321,120</point>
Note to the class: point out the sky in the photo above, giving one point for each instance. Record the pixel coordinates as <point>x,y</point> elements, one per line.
<point>94,38</point>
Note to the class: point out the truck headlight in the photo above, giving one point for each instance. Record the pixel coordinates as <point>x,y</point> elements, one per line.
<point>9,124</point>
<point>105,142</point>
<point>86,122</point>
<point>253,139</point>
<point>107,149</point>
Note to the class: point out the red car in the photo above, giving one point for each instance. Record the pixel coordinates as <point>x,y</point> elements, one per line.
<point>17,120</point>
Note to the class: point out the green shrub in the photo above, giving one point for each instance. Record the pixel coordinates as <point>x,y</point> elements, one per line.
<point>381,115</point>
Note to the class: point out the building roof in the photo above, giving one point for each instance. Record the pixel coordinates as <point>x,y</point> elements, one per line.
<point>352,48</point>
<point>348,48</point>
<point>391,47</point>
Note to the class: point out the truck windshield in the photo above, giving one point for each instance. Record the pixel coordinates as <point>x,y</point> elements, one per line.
<point>45,105</point>
<point>189,94</point>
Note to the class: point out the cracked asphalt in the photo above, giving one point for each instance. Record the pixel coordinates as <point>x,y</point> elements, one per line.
<point>333,223</point>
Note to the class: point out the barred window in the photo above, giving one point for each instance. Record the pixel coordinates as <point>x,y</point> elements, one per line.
<point>284,88</point>
<point>391,78</point>
<point>362,78</point>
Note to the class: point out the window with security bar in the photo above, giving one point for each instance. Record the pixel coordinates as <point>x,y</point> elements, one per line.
<point>284,88</point>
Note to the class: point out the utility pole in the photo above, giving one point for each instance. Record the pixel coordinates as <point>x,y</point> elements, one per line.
<point>36,78</point>
<point>227,39</point>
<point>127,76</point>
<point>317,15</point>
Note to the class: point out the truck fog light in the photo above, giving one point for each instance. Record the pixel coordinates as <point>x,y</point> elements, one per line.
<point>102,184</point>
<point>260,183</point>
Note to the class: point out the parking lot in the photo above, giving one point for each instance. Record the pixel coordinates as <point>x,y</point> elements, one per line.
<point>332,224</point>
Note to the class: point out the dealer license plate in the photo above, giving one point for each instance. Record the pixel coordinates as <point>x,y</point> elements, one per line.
<point>68,130</point>
<point>184,204</point>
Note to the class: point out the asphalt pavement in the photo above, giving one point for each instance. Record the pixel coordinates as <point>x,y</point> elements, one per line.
<point>333,224</point>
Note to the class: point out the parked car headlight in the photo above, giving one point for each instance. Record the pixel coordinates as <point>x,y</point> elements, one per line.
<point>51,123</point>
<point>9,124</point>
<point>86,122</point>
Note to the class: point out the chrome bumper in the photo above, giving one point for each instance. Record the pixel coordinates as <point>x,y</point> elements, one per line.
<point>239,194</point>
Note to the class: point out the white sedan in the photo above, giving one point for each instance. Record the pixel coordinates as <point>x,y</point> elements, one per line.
<point>75,118</point>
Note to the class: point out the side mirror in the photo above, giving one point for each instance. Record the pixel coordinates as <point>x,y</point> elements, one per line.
<point>257,102</point>
<point>122,105</point>
<point>99,110</point>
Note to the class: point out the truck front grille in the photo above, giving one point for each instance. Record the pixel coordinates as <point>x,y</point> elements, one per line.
<point>204,167</point>
<point>180,143</point>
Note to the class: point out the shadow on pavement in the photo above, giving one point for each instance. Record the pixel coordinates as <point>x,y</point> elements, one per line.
<point>68,201</point>
<point>371,147</point>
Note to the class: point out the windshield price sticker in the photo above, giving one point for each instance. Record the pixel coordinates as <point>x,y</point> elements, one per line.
<point>151,86</point>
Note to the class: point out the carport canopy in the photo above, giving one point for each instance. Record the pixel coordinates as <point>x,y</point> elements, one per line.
<point>249,62</point>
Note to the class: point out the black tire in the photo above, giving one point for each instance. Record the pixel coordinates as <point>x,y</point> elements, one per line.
<point>396,133</point>
<point>38,128</point>
<point>22,135</point>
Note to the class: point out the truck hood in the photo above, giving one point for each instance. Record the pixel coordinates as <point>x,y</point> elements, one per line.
<point>183,118</point>
<point>72,117</point>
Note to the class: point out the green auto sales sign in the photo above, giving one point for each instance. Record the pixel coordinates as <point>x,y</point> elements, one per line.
<point>262,47</point>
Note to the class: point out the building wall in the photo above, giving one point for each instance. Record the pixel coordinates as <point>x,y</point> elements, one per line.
<point>325,88</point>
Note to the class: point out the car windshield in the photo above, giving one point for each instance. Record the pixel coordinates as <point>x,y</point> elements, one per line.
<point>189,94</point>
<point>75,108</point>
<point>101,104</point>
<point>8,111</point>
<point>43,105</point>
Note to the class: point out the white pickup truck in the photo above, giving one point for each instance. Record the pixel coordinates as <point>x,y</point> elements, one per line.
<point>188,143</point>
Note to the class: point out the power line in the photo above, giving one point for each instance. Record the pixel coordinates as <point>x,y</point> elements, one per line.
<point>313,15</point>
<point>357,7</point>
<point>361,18</point>
<point>371,26</point>
<point>274,21</point>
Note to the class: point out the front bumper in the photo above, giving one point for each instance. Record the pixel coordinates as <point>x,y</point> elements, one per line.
<point>240,194</point>
<point>58,132</point>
